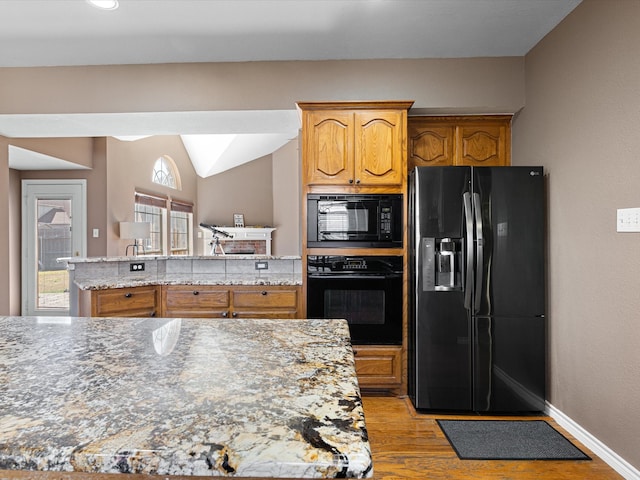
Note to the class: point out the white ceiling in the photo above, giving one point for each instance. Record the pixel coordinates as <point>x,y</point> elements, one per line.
<point>71,32</point>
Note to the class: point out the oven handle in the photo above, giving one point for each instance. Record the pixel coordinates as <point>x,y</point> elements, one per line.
<point>347,276</point>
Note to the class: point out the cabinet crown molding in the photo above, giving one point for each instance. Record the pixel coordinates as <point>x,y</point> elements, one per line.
<point>357,105</point>
<point>459,119</point>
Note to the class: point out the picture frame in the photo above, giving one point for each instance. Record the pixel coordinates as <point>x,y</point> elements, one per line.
<point>238,220</point>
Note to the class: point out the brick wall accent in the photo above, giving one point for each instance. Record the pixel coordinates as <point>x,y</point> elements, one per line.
<point>257,247</point>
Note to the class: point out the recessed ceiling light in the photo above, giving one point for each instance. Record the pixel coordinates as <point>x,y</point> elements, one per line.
<point>104,4</point>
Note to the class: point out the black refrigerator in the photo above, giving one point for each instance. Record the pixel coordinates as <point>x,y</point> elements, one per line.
<point>477,289</point>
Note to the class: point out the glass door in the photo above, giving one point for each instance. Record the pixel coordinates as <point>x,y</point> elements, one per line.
<point>53,228</point>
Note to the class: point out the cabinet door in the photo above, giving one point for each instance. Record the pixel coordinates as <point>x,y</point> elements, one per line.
<point>379,154</point>
<point>329,147</point>
<point>125,302</point>
<point>266,302</point>
<point>430,144</point>
<point>483,145</point>
<point>378,365</point>
<point>195,301</point>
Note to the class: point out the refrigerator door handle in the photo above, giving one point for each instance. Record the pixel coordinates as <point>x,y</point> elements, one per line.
<point>477,209</point>
<point>468,216</point>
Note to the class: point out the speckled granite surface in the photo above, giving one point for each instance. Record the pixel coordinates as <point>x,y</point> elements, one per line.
<point>223,397</point>
<point>115,272</point>
<point>101,283</point>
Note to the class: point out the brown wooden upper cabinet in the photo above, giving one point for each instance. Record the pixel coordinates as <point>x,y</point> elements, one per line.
<point>469,140</point>
<point>354,143</point>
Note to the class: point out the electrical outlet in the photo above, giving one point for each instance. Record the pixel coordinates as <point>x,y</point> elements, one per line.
<point>262,265</point>
<point>136,267</point>
<point>628,220</point>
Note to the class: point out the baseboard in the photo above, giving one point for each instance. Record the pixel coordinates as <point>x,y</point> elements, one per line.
<point>592,443</point>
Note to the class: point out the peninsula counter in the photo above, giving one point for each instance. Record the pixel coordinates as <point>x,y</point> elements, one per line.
<point>243,398</point>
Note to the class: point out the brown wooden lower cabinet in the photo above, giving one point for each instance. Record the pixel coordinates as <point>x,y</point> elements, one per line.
<point>141,301</point>
<point>195,301</point>
<point>208,301</point>
<point>379,367</point>
<point>272,302</point>
<point>241,301</point>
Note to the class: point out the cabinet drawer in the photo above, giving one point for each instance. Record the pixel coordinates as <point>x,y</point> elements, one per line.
<point>265,298</point>
<point>378,365</point>
<point>195,301</point>
<point>125,302</point>
<point>266,302</point>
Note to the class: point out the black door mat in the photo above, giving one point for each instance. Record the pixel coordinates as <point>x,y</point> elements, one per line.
<point>508,440</point>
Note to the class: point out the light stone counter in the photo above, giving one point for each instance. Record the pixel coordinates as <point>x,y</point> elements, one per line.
<point>187,397</point>
<point>115,272</point>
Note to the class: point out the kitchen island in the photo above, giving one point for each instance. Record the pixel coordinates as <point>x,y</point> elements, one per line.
<point>244,398</point>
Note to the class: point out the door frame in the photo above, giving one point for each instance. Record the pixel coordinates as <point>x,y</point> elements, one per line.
<point>32,190</point>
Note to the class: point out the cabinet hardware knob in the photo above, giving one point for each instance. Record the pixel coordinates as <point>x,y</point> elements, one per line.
<point>153,314</point>
<point>196,292</point>
<point>225,314</point>
<point>264,292</point>
<point>351,180</point>
<point>127,295</point>
<point>358,181</point>
<point>234,314</point>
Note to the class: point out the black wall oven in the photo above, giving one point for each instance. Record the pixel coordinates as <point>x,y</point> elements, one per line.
<point>364,290</point>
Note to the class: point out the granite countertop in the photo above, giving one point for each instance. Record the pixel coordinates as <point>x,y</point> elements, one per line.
<point>114,272</point>
<point>207,397</point>
<point>99,283</point>
<point>75,260</point>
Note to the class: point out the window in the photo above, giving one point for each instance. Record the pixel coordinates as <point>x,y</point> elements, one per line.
<point>171,224</point>
<point>152,209</point>
<point>181,217</point>
<point>165,173</point>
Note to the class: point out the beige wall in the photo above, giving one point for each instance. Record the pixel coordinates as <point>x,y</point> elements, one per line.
<point>581,121</point>
<point>96,186</point>
<point>246,189</point>
<point>84,152</point>
<point>287,239</point>
<point>15,246</point>
<point>482,85</point>
<point>75,150</point>
<point>129,167</point>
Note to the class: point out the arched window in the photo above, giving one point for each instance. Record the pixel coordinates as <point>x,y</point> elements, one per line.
<point>165,173</point>
<point>171,220</point>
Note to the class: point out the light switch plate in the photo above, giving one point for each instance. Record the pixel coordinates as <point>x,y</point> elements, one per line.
<point>628,220</point>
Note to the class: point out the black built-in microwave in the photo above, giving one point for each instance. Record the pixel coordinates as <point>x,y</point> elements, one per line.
<point>345,221</point>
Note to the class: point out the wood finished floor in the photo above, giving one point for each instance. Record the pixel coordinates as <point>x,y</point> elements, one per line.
<point>406,444</point>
